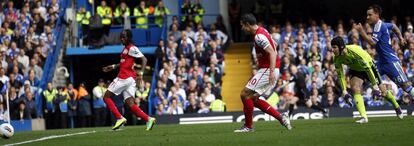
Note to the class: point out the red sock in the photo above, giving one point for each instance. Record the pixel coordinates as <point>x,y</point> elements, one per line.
<point>265,107</point>
<point>139,113</point>
<point>248,112</point>
<point>112,107</point>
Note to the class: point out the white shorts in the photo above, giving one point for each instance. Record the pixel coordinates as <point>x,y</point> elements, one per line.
<point>260,82</point>
<point>125,86</point>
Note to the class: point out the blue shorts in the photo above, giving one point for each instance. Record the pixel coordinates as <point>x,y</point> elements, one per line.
<point>394,71</point>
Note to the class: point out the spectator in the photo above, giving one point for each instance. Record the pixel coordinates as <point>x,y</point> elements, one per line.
<point>49,96</point>
<point>105,12</point>
<point>72,105</point>
<point>174,108</point>
<point>161,13</point>
<point>61,105</point>
<point>99,107</point>
<point>218,36</point>
<point>204,109</point>
<point>34,81</point>
<point>82,17</point>
<point>121,13</point>
<point>34,66</point>
<point>199,11</point>
<point>84,110</point>
<point>13,82</point>
<point>141,12</point>
<point>22,113</point>
<point>23,58</point>
<point>186,9</point>
<point>30,103</point>
<point>161,51</point>
<point>193,107</point>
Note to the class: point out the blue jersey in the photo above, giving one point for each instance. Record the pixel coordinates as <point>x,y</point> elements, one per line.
<point>382,38</point>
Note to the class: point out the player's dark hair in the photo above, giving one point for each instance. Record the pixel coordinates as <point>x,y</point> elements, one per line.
<point>376,8</point>
<point>127,34</point>
<point>338,41</point>
<point>248,19</point>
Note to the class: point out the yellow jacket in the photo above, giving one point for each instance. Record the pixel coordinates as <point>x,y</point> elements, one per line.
<point>141,17</point>
<point>106,14</point>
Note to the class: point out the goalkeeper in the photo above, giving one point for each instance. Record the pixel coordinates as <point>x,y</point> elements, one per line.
<point>361,66</point>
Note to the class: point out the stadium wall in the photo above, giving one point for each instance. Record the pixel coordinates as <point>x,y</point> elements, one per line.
<point>27,125</point>
<point>300,113</point>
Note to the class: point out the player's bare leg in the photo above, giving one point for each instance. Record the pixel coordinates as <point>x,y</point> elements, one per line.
<point>139,113</point>
<point>356,85</point>
<point>108,101</point>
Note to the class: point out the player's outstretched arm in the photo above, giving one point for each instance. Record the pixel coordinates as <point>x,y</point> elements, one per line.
<point>109,67</point>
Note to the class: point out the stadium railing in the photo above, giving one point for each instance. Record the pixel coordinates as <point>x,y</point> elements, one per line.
<point>53,56</point>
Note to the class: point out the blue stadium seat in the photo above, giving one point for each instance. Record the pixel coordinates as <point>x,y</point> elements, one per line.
<point>117,30</point>
<point>154,35</point>
<point>139,37</point>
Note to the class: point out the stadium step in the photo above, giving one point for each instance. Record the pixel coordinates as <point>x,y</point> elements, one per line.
<point>238,70</point>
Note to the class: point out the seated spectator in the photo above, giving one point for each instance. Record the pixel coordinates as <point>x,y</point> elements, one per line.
<point>204,109</point>
<point>174,108</point>
<point>34,81</point>
<point>22,113</point>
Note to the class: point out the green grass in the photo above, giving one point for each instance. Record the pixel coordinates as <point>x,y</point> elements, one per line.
<point>339,131</point>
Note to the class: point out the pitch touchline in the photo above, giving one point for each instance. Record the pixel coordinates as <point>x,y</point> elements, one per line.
<point>50,137</point>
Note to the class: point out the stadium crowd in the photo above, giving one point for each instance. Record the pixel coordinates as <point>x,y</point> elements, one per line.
<point>26,38</point>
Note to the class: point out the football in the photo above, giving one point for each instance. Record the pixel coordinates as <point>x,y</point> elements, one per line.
<point>6,130</point>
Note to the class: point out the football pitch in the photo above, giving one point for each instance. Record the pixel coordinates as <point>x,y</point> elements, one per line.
<point>338,131</point>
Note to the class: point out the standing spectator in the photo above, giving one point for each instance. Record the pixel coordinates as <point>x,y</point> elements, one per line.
<point>105,12</point>
<point>84,107</point>
<point>199,11</point>
<point>99,107</point>
<point>161,13</point>
<point>186,9</point>
<point>61,101</point>
<point>121,13</point>
<point>82,17</point>
<point>49,95</point>
<point>218,36</point>
<point>72,105</point>
<point>234,14</point>
<point>161,51</point>
<point>141,13</point>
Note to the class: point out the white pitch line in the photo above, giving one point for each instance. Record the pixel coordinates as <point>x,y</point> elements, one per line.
<point>50,137</point>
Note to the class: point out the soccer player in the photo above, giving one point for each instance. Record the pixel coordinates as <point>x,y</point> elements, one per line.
<point>361,66</point>
<point>387,61</point>
<point>268,63</point>
<point>125,81</point>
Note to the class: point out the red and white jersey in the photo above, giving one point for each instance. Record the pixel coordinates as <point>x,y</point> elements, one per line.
<point>126,65</point>
<point>262,39</point>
